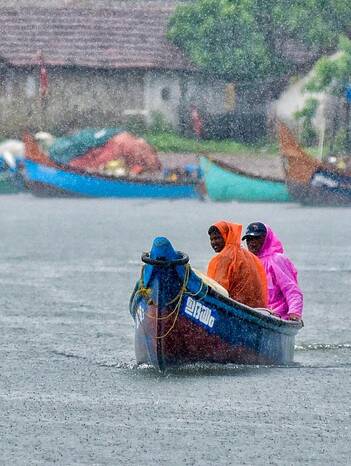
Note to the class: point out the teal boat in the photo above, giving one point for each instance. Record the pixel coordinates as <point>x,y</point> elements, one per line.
<point>9,183</point>
<point>10,176</point>
<point>226,183</point>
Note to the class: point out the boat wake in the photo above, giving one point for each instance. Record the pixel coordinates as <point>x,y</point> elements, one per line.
<point>231,370</point>
<point>322,346</point>
<point>105,361</point>
<point>68,354</point>
<point>215,369</point>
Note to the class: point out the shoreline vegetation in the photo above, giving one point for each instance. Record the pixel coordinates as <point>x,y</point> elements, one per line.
<point>172,142</point>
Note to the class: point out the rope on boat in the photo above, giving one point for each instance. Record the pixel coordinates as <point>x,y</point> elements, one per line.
<point>178,298</point>
<point>142,289</point>
<point>146,292</point>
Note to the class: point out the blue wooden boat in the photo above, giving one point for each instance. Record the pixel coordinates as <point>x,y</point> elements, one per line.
<point>43,180</point>
<point>180,319</point>
<point>45,177</point>
<point>225,182</point>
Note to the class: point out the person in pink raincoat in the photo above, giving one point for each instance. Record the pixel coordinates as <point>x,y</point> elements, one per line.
<point>285,297</point>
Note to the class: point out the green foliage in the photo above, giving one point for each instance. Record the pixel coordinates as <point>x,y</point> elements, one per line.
<point>333,74</point>
<point>308,135</point>
<point>216,41</point>
<point>159,123</point>
<point>245,40</point>
<point>135,124</point>
<point>341,142</point>
<point>309,110</point>
<point>171,142</point>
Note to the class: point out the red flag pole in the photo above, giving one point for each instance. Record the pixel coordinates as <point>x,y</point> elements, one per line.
<point>196,122</point>
<point>43,77</point>
<point>43,86</point>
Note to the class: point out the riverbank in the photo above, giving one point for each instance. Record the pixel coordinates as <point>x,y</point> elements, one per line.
<point>259,164</point>
<point>164,141</point>
<point>259,159</point>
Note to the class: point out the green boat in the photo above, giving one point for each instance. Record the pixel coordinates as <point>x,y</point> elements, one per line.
<point>226,183</point>
<point>8,183</point>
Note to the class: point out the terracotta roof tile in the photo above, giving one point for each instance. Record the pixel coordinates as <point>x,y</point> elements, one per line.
<point>132,37</point>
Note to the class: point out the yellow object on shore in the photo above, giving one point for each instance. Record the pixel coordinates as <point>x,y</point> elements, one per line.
<point>115,168</point>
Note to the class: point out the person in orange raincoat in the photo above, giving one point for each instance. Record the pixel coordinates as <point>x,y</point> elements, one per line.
<point>235,268</point>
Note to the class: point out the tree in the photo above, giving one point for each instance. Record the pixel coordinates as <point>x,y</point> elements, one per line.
<point>333,76</point>
<point>246,40</point>
<point>306,115</point>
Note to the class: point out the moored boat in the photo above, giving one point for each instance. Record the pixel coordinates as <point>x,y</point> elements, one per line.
<point>10,178</point>
<point>224,182</point>
<point>42,180</point>
<point>311,181</point>
<point>9,183</point>
<point>44,177</point>
<point>180,319</point>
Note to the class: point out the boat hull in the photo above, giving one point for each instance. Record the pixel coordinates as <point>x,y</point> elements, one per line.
<point>43,180</point>
<point>324,189</point>
<point>224,184</point>
<point>10,183</point>
<point>180,320</point>
<point>311,181</point>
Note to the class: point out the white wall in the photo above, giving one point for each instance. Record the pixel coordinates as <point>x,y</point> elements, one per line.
<point>162,94</point>
<point>293,99</point>
<point>207,94</point>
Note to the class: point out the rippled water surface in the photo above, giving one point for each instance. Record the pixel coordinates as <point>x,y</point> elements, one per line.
<point>69,389</point>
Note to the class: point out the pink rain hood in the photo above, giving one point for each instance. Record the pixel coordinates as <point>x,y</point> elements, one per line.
<point>284,294</point>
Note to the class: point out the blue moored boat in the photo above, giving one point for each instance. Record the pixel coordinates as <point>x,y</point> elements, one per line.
<point>45,177</point>
<point>44,180</point>
<point>180,319</point>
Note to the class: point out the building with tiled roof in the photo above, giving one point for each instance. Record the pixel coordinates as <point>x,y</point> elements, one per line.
<point>104,66</point>
<point>130,37</point>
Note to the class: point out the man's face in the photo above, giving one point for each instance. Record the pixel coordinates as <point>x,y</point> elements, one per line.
<point>255,243</point>
<point>217,241</point>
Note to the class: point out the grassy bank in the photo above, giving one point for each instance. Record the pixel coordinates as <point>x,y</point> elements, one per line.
<point>171,142</point>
